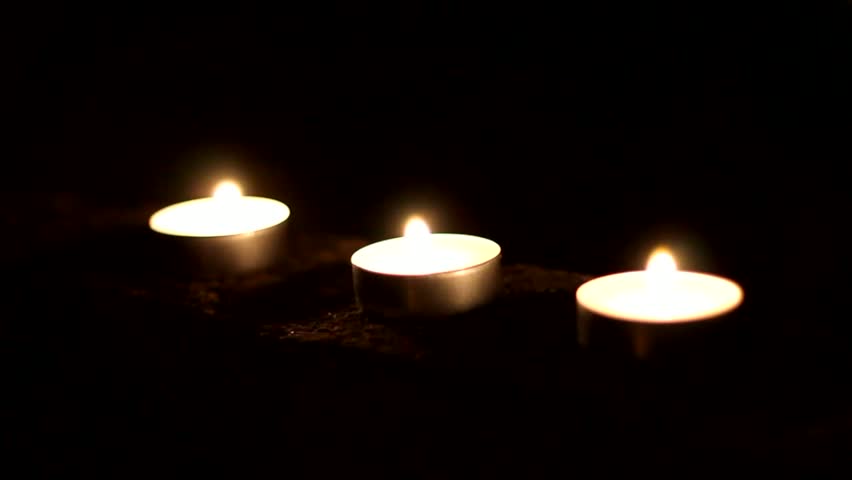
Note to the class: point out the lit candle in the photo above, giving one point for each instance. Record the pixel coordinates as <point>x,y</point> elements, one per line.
<point>643,307</point>
<point>230,232</point>
<point>426,274</point>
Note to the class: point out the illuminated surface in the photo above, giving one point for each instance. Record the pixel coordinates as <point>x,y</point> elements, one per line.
<point>660,294</point>
<point>227,212</point>
<point>420,252</point>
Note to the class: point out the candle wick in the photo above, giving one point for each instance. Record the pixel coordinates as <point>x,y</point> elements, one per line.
<point>227,191</point>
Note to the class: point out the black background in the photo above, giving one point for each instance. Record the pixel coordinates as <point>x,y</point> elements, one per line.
<point>580,136</point>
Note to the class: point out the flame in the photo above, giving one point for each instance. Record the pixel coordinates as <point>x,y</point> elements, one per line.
<point>227,190</point>
<point>661,262</point>
<point>661,272</point>
<point>416,227</point>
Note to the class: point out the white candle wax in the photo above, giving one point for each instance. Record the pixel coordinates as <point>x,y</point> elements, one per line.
<point>226,213</point>
<point>420,252</point>
<point>426,274</point>
<point>660,294</point>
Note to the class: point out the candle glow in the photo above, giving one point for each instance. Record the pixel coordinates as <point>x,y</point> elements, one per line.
<point>660,294</point>
<point>420,252</point>
<point>226,212</point>
<point>416,227</point>
<point>227,190</point>
<point>426,274</point>
<point>661,262</point>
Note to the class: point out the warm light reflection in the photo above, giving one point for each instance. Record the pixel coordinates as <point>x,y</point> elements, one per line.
<point>227,190</point>
<point>416,227</point>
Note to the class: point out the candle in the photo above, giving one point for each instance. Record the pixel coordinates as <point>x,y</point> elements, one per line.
<point>650,307</point>
<point>228,232</point>
<point>426,274</point>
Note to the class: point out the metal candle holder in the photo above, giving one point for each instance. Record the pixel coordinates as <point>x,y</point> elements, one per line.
<point>422,274</point>
<point>440,294</point>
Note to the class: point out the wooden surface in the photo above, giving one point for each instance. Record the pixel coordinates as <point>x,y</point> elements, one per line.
<point>112,367</point>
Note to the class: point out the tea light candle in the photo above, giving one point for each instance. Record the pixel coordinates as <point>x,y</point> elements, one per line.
<point>646,307</point>
<point>426,274</point>
<point>228,232</point>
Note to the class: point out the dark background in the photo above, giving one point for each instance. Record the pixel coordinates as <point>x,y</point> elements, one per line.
<point>579,136</point>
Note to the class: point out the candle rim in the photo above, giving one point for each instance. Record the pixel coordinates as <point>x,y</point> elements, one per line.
<point>656,320</point>
<point>159,214</point>
<point>361,251</point>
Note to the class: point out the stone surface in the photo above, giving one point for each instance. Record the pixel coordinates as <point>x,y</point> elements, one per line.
<point>116,368</point>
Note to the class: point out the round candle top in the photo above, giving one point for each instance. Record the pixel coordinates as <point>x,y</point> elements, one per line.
<point>420,252</point>
<point>660,294</point>
<point>227,212</point>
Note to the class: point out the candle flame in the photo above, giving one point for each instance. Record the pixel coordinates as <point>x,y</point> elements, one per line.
<point>227,190</point>
<point>661,261</point>
<point>416,227</point>
<point>661,271</point>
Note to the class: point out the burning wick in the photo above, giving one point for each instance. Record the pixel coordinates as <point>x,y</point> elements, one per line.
<point>227,190</point>
<point>416,228</point>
